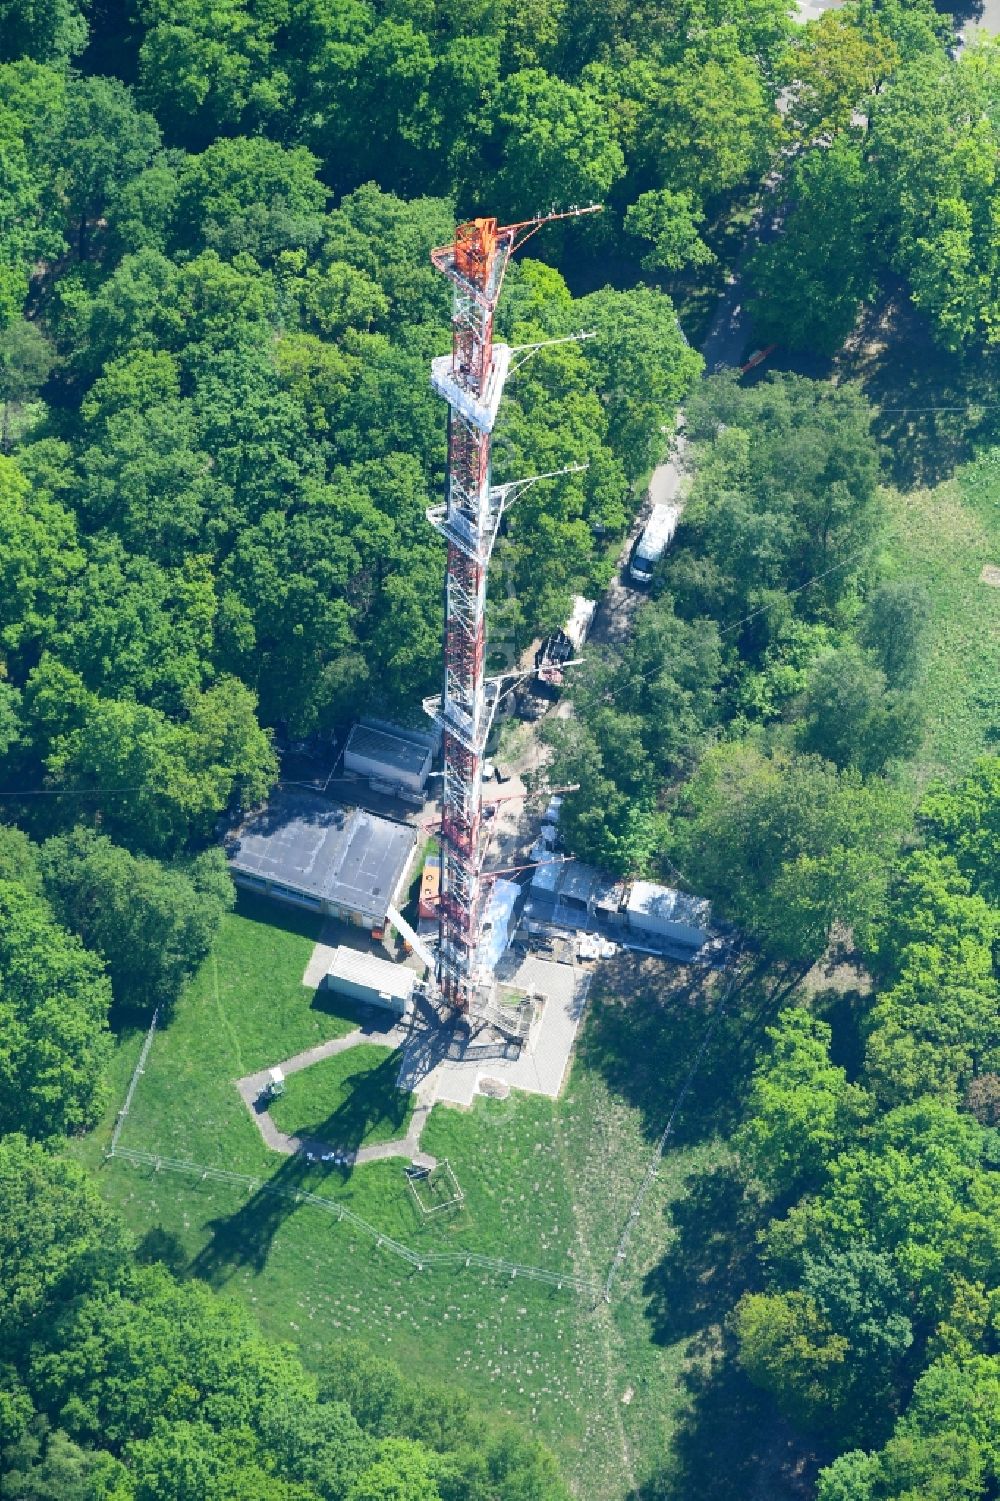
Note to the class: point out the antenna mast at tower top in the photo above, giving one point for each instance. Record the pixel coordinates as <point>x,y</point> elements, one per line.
<point>471,380</point>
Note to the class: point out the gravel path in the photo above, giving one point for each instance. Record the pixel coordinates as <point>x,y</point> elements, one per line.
<point>252,1086</point>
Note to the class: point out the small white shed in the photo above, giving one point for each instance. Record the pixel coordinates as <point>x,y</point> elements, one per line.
<point>372,981</point>
<point>662,912</point>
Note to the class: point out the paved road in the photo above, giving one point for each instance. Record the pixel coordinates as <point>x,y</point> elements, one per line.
<point>808,10</point>
<point>988,19</point>
<point>723,347</point>
<point>616,610</point>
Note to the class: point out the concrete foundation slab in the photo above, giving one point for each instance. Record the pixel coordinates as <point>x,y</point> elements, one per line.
<point>539,1068</point>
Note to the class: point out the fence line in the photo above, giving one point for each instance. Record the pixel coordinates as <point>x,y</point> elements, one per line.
<point>430,1259</point>
<point>137,1071</point>
<point>631,1219</point>
<point>420,1260</point>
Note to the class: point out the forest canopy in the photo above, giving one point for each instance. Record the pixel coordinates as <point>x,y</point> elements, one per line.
<point>218,444</point>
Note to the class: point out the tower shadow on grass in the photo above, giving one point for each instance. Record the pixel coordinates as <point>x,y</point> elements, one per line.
<point>372,1098</point>
<point>242,1241</point>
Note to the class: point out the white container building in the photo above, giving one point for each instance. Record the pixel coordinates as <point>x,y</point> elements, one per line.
<point>372,981</point>
<point>662,912</point>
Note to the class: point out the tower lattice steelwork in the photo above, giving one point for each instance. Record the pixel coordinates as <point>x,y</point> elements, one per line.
<point>471,379</point>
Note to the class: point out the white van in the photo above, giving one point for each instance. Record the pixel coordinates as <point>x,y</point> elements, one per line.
<point>654,541</point>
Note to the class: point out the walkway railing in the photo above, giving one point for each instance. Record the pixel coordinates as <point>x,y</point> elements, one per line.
<point>419,1260</point>
<point>429,1260</point>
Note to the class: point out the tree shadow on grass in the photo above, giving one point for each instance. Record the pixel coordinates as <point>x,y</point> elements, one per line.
<point>934,410</point>
<point>647,1024</point>
<point>163,1245</point>
<point>847,1012</point>
<point>277,915</point>
<point>732,1443</point>
<point>710,1258</point>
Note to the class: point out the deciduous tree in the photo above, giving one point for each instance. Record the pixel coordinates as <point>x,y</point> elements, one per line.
<point>152,924</point>
<point>54,1002</point>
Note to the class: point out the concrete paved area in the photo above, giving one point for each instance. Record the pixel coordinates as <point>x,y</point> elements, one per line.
<point>541,1067</point>
<point>441,1061</point>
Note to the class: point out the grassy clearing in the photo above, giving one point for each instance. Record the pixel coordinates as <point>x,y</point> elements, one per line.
<point>350,1100</point>
<point>618,1392</point>
<point>245,1010</point>
<point>944,537</point>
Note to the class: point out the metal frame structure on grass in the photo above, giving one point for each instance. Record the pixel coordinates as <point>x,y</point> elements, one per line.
<point>418,1177</point>
<point>471,379</point>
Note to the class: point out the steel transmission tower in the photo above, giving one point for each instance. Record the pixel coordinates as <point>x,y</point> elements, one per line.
<point>471,380</point>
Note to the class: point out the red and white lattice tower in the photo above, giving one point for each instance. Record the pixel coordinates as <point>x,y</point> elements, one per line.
<point>471,379</point>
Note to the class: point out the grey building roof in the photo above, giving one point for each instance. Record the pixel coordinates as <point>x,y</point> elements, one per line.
<point>388,750</point>
<point>545,877</point>
<point>609,894</point>
<point>573,881</point>
<point>344,856</point>
<point>668,905</point>
<point>380,975</point>
<point>579,882</point>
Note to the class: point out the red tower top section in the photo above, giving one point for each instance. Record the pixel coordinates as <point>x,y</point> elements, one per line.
<point>475,250</point>
<point>475,262</point>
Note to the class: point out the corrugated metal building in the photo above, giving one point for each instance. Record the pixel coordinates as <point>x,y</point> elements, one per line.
<point>575,888</point>
<point>395,760</point>
<point>662,912</point>
<point>372,981</point>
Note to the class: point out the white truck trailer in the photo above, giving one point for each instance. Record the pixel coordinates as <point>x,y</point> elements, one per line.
<point>654,541</point>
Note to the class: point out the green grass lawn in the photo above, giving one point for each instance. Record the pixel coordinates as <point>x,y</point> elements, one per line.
<point>349,1100</point>
<point>546,1183</point>
<point>944,537</point>
<point>246,1009</point>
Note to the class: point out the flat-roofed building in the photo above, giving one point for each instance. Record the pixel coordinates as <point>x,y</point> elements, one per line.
<point>343,862</point>
<point>371,980</point>
<point>393,760</point>
<point>662,912</point>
